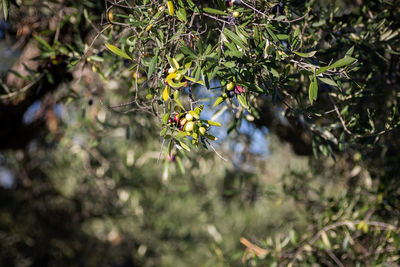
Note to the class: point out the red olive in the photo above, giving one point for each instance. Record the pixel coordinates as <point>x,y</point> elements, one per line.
<point>176,118</point>
<point>238,89</point>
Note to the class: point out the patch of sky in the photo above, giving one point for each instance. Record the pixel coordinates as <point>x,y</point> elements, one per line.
<point>257,137</point>
<point>7,178</point>
<point>30,113</point>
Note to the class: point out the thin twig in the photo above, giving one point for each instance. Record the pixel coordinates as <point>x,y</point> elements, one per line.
<point>254,9</point>
<point>60,13</point>
<point>221,20</point>
<point>216,151</point>
<point>26,88</point>
<point>334,258</point>
<point>339,115</point>
<point>162,146</point>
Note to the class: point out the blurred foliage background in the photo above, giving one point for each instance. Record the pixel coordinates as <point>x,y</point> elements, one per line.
<point>83,181</point>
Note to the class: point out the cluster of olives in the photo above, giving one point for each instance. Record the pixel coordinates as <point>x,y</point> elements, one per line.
<point>188,122</point>
<point>52,62</point>
<point>232,90</point>
<point>232,3</point>
<point>139,77</point>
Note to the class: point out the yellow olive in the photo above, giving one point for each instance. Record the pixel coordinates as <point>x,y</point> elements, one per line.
<point>179,77</point>
<point>250,117</point>
<point>141,80</point>
<point>136,75</point>
<point>236,14</point>
<point>171,70</point>
<point>170,6</point>
<point>183,121</point>
<point>229,86</point>
<point>110,16</point>
<point>202,130</point>
<point>189,126</point>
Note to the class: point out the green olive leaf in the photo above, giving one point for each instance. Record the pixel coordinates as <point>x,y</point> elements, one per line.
<point>165,118</point>
<point>194,114</point>
<point>215,11</point>
<point>309,54</point>
<point>152,66</point>
<point>211,137</point>
<point>163,132</point>
<point>218,101</point>
<point>343,62</point>
<point>313,89</point>
<point>118,51</point>
<point>214,123</point>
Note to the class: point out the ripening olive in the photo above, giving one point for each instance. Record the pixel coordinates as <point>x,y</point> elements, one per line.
<point>170,121</point>
<point>229,86</point>
<point>182,122</point>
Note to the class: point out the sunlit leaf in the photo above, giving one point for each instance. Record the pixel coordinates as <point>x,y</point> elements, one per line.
<point>118,51</point>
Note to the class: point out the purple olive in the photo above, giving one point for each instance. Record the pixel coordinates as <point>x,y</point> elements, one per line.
<point>231,93</point>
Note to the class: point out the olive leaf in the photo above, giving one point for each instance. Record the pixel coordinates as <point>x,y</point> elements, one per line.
<point>118,51</point>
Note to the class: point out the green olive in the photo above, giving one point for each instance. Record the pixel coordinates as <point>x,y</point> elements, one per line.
<point>189,126</point>
<point>189,117</point>
<point>202,130</point>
